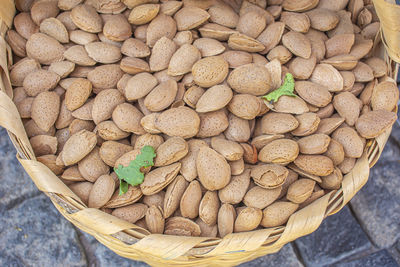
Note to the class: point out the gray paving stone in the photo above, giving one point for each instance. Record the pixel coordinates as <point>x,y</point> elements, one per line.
<point>285,257</point>
<point>338,237</point>
<point>377,259</point>
<point>99,255</point>
<point>33,233</point>
<point>15,183</point>
<point>377,204</point>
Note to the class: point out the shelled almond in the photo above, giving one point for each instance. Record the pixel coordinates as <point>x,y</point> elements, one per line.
<point>96,83</point>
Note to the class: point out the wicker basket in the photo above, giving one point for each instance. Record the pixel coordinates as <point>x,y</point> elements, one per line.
<point>131,241</point>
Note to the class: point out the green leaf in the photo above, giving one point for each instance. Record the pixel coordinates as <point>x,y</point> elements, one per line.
<point>131,175</point>
<point>287,88</point>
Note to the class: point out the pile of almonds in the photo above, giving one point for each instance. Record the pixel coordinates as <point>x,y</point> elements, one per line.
<point>97,80</point>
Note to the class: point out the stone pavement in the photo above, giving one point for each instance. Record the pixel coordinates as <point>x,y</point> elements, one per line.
<point>365,233</point>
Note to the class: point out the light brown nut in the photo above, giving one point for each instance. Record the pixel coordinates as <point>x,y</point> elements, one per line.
<point>81,37</point>
<point>235,191</point>
<point>323,19</point>
<point>148,123</point>
<point>241,42</point>
<point>77,147</point>
<point>385,96</point>
<point>170,7</point>
<point>333,180</point>
<point>79,56</point>
<point>363,73</point>
<point>290,179</point>
<point>314,94</point>
<point>327,76</point>
<point>62,68</point>
<point>315,164</point>
<point>139,86</point>
<point>154,220</point>
<point>42,10</point>
<point>347,165</point>
<point>281,151</point>
<point>209,47</point>
<point>183,60</point>
<point>297,43</point>
<point>110,151</point>
<point>308,124</point>
<point>210,71</point>
<point>161,54</point>
<point>86,18</point>
<point>213,170</point>
<point>328,125</point>
<point>92,167</point>
<point>62,137</point>
<point>292,105</point>
<point>85,111</point>
<point>183,37</point>
<point>131,196</point>
<point>191,17</point>
<point>133,65</point>
<point>50,162</point>
<point>190,201</point>
<point>109,131</point>
<point>229,149</point>
<point>237,58</point>
<point>105,76</point>
<point>262,140</point>
<point>245,106</point>
<point>348,106</point>
<point>131,213</point>
<point>237,166</point>
<point>103,52</point>
<point>377,65</point>
<point>104,104</point>
<point>162,96</point>
<point>40,81</point>
<point>238,129</point>
<point>143,14</point>
<point>215,98</point>
<point>302,68</point>
<point>135,48</point>
<point>21,69</point>
<point>271,36</point>
<point>188,169</point>
<point>223,15</point>
<point>77,93</point>
<point>181,227</point>
<point>17,43</point>
<point>300,190</point>
<point>226,219</point>
<point>82,190</point>
<point>373,123</point>
<point>54,28</point>
<point>24,107</point>
<point>212,123</point>
<point>298,22</point>
<point>342,62</point>
<point>251,24</point>
<point>172,150</point>
<point>207,230</point>
<point>248,219</point>
<point>158,179</point>
<point>43,145</point>
<point>24,25</point>
<point>77,125</point>
<point>278,123</point>
<point>156,199</point>
<point>258,197</point>
<point>335,152</point>
<point>174,195</point>
<point>101,192</point>
<point>339,44</point>
<point>269,176</point>
<point>314,144</point>
<point>350,140</point>
<point>127,117</point>
<point>280,53</point>
<point>160,26</point>
<point>250,79</point>
<point>45,110</point>
<point>192,95</point>
<point>216,31</point>
<point>148,140</point>
<point>278,213</point>
<point>303,5</point>
<point>181,121</point>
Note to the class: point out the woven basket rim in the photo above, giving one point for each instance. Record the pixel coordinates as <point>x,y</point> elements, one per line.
<point>133,242</point>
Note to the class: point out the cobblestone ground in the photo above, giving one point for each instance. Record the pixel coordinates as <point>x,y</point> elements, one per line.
<point>365,233</point>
